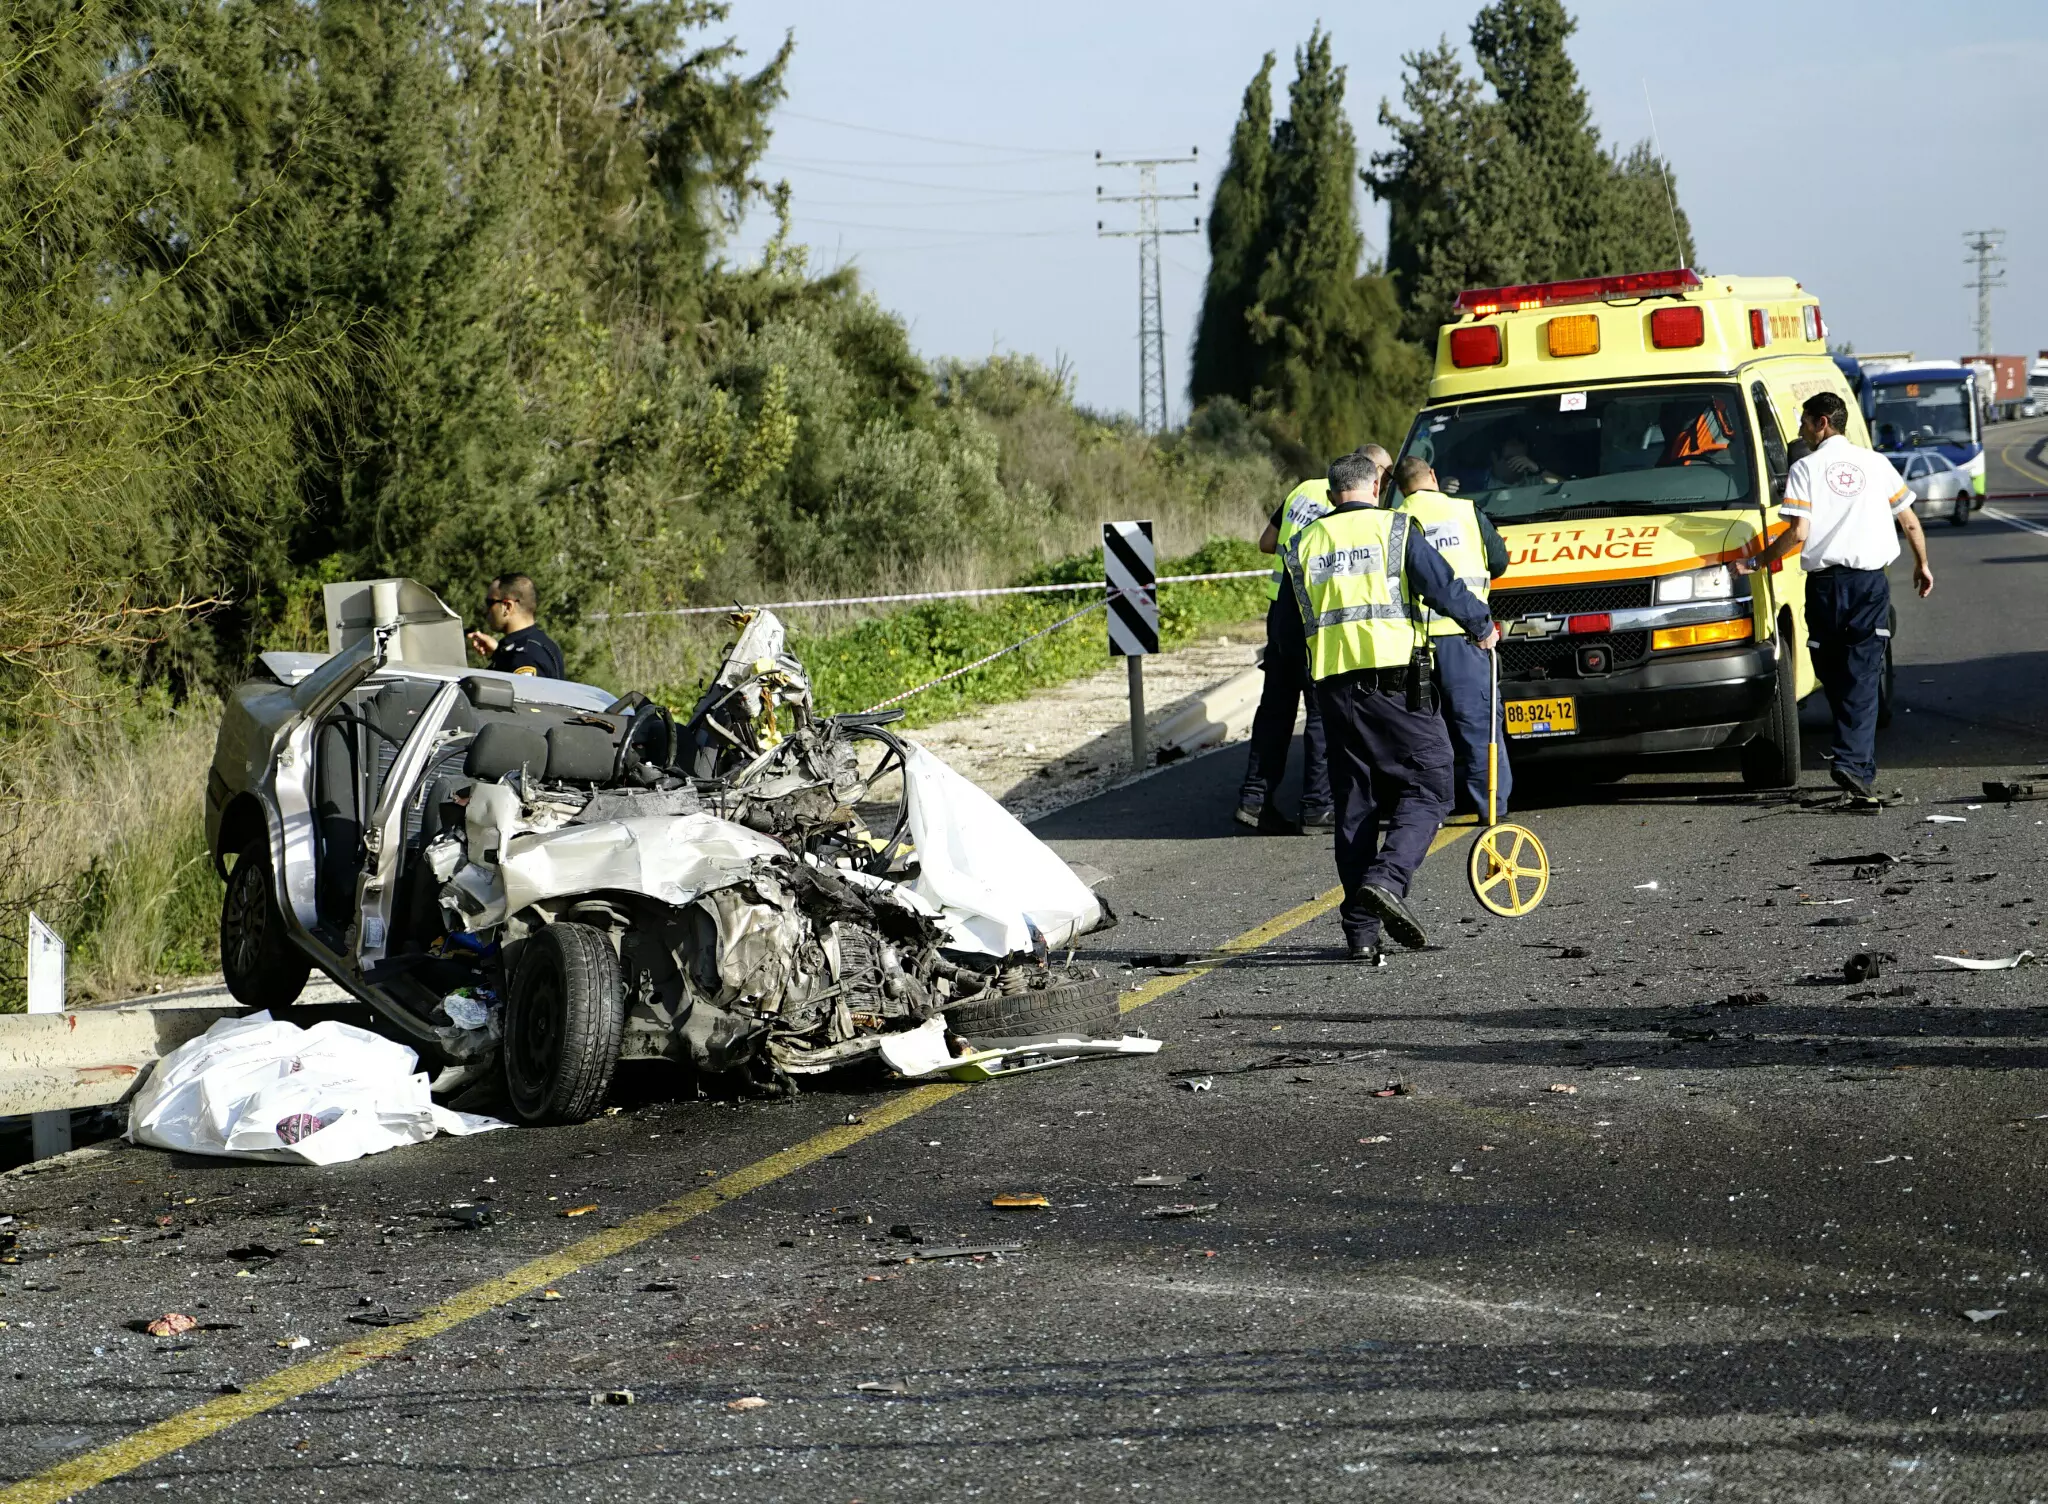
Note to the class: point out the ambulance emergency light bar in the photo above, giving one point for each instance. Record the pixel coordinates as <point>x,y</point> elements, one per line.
<point>1481,301</point>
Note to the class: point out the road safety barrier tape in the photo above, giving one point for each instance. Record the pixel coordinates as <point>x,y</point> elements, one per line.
<point>922,595</point>
<point>968,668</point>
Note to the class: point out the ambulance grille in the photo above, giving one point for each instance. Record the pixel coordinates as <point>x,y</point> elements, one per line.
<point>1558,658</point>
<point>1572,600</point>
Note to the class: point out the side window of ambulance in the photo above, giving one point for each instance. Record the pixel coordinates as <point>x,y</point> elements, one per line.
<point>1773,438</point>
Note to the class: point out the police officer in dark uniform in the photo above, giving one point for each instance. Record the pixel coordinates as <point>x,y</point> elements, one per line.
<point>516,644</point>
<point>1361,575</point>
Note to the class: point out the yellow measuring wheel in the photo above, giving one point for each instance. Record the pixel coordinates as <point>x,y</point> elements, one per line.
<point>1509,868</point>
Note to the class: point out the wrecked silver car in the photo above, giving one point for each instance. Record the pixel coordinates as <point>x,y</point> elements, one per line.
<point>534,877</point>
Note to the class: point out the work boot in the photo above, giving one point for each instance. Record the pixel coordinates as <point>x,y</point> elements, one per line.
<point>1323,820</point>
<point>1249,814</point>
<point>1851,782</point>
<point>1393,915</point>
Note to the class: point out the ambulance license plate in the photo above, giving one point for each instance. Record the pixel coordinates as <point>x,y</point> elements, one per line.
<point>1554,717</point>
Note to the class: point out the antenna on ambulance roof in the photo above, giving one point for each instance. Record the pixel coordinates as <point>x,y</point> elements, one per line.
<point>1664,172</point>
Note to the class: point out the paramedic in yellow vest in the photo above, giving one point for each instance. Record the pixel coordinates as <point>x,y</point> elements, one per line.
<point>1361,576</point>
<point>1286,685</point>
<point>1473,547</point>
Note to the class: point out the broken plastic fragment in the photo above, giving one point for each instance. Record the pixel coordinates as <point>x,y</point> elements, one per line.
<point>1648,887</point>
<point>293,1344</point>
<point>613,1397</point>
<point>2002,963</point>
<point>1948,819</point>
<point>1013,1200</point>
<point>1985,1315</point>
<point>1197,1083</point>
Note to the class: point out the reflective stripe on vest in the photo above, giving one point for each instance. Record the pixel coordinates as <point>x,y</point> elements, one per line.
<point>1452,526</point>
<point>1304,504</point>
<point>1348,574</point>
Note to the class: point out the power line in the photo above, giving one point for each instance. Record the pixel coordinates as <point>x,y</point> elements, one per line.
<point>848,224</point>
<point>875,130</point>
<point>860,177</point>
<point>1982,245</point>
<point>1153,414</point>
<point>971,164</point>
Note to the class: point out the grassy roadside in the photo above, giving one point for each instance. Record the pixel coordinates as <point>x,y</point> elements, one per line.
<point>103,827</point>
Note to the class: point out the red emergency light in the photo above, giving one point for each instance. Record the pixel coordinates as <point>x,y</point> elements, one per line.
<point>1481,301</point>
<point>1678,328</point>
<point>1478,345</point>
<point>1759,329</point>
<point>1591,624</point>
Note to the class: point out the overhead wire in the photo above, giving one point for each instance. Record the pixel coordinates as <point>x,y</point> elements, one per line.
<point>876,130</point>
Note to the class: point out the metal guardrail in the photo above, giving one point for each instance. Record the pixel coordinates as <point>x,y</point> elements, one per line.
<point>57,1062</point>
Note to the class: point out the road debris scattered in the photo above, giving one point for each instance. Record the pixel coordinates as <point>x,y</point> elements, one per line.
<point>580,1211</point>
<point>293,1344</point>
<point>745,1403</point>
<point>171,1324</point>
<point>2010,792</point>
<point>933,1255</point>
<point>1560,1087</point>
<point>1978,963</point>
<point>1743,1000</point>
<point>1948,819</point>
<point>880,1386</point>
<point>613,1397</point>
<point>259,1088</point>
<point>1394,1089</point>
<point>1378,1138</point>
<point>1985,1315</point>
<point>1866,966</point>
<point>1183,1209</point>
<point>1018,1201</point>
<point>1154,1182</point>
<point>1842,921</point>
<point>1648,887</point>
<point>1197,1083</point>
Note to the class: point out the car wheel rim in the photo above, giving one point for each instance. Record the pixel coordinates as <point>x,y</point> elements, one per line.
<point>537,1039</point>
<point>245,917</point>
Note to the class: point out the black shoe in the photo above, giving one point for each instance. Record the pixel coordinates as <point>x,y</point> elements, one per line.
<point>1851,782</point>
<point>1250,814</point>
<point>1319,819</point>
<point>1393,916</point>
<point>1273,823</point>
<point>1364,955</point>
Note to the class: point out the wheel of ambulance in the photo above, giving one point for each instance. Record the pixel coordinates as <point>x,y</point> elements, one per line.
<point>563,1023</point>
<point>262,967</point>
<point>1959,512</point>
<point>1887,687</point>
<point>1771,761</point>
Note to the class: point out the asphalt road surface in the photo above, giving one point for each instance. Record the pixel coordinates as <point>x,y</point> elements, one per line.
<point>1664,1210</point>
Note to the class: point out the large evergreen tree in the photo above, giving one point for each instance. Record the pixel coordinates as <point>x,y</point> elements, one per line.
<point>1222,363</point>
<point>1322,364</point>
<point>1514,186</point>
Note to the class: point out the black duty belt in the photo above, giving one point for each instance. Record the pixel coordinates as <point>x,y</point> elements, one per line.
<point>1388,681</point>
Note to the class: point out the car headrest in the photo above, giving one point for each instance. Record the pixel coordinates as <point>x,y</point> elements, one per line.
<point>502,748</point>
<point>581,753</point>
<point>488,694</point>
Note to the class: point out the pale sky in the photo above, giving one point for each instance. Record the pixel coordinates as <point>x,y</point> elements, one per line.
<point>948,151</point>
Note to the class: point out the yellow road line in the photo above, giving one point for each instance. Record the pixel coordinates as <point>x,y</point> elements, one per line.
<point>188,1427</point>
<point>216,1415</point>
<point>2022,466</point>
<point>1250,940</point>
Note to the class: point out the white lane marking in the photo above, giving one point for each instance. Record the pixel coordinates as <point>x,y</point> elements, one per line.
<point>2021,523</point>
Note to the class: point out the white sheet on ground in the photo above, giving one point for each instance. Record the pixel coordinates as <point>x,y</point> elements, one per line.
<point>260,1088</point>
<point>992,879</point>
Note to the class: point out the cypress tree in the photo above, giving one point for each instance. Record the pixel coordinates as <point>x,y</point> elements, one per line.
<point>1222,364</point>
<point>1515,187</point>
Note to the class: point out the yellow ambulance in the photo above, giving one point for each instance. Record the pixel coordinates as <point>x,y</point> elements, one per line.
<point>1629,436</point>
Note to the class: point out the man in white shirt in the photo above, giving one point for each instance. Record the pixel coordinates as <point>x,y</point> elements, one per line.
<point>1840,505</point>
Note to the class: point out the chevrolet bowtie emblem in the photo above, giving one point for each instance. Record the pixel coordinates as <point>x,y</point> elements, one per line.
<point>1537,627</point>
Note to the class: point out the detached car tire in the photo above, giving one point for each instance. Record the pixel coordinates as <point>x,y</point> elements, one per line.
<point>563,1024</point>
<point>1771,760</point>
<point>1078,1002</point>
<point>262,967</point>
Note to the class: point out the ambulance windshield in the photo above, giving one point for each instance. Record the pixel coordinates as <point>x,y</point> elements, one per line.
<point>1909,413</point>
<point>1613,452</point>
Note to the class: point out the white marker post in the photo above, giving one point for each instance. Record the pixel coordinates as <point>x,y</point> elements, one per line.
<point>1131,578</point>
<point>49,1132</point>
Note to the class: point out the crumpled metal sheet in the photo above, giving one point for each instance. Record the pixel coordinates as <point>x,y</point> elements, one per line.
<point>667,857</point>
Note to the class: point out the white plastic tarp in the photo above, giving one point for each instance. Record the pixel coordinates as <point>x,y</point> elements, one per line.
<point>992,879</point>
<point>260,1088</point>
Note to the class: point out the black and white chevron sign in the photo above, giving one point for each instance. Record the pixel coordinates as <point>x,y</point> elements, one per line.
<point>1132,580</point>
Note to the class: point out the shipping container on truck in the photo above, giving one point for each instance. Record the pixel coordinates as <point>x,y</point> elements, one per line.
<point>2003,381</point>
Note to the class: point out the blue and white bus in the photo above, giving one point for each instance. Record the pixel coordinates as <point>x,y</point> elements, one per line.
<point>1928,404</point>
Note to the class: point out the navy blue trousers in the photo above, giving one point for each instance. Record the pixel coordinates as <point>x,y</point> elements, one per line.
<point>1390,768</point>
<point>1287,685</point>
<point>1464,681</point>
<point>1848,615</point>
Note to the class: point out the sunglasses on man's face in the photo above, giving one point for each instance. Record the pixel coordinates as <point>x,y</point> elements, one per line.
<point>496,600</point>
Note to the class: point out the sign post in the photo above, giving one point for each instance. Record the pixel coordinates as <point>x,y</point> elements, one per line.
<point>1131,578</point>
<point>49,1132</point>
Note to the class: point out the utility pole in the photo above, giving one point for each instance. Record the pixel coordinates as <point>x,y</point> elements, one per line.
<point>1152,407</point>
<point>1983,245</point>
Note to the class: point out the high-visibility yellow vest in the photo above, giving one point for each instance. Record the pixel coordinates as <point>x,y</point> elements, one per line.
<point>1304,504</point>
<point>1452,526</point>
<point>1349,576</point>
